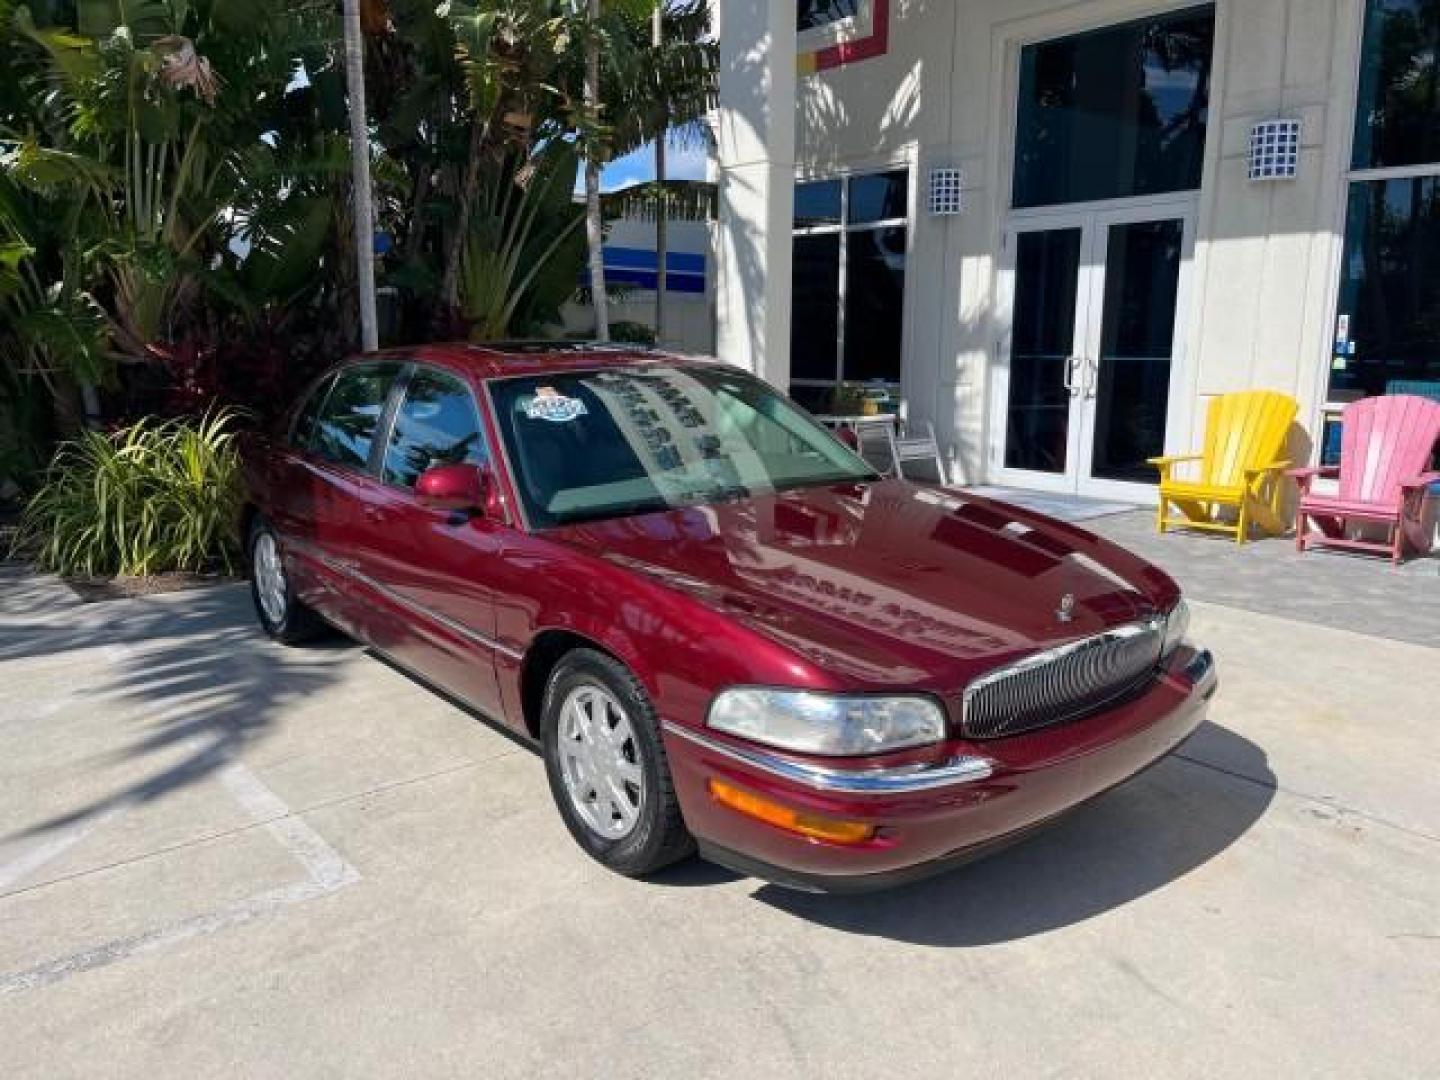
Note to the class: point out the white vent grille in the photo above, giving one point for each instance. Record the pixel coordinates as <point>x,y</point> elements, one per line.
<point>945,192</point>
<point>1275,150</point>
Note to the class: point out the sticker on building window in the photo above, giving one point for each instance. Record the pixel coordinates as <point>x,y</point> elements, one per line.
<point>549,404</point>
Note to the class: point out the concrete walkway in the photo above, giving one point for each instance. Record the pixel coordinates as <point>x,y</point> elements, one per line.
<point>219,857</point>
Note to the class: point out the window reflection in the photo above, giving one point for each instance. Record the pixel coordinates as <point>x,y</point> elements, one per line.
<point>1389,288</point>
<point>1397,121</point>
<point>346,427</point>
<point>1115,112</point>
<point>810,14</point>
<point>436,425</point>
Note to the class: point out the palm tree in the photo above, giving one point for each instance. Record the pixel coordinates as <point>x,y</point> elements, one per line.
<point>662,246</point>
<point>594,226</point>
<point>363,209</point>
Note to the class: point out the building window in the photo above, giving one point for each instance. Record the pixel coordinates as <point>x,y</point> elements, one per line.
<point>1397,118</point>
<point>1387,334</point>
<point>848,289</point>
<point>1115,112</point>
<point>813,14</point>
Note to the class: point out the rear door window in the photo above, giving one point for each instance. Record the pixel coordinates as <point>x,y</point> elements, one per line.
<point>437,423</point>
<point>346,424</point>
<point>304,429</point>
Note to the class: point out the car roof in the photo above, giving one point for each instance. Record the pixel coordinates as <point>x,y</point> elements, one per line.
<point>501,358</point>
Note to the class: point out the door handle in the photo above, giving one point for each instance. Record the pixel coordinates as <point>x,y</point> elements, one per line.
<point>1092,375</point>
<point>1069,380</point>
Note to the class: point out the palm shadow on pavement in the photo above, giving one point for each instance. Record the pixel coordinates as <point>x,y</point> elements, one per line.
<point>190,675</point>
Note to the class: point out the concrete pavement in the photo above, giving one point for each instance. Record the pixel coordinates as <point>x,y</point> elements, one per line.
<point>219,857</point>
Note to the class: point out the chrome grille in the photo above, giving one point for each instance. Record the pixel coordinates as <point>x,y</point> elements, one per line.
<point>1063,683</point>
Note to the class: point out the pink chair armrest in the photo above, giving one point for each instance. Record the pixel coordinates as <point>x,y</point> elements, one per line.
<point>1421,481</point>
<point>1305,477</point>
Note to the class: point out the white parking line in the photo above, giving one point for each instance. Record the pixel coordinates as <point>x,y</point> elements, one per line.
<point>25,864</point>
<point>326,872</point>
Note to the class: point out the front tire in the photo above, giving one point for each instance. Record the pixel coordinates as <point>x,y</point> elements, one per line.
<point>281,615</point>
<point>606,764</point>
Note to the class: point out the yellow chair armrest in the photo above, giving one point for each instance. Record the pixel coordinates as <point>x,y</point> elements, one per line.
<point>1173,459</point>
<point>1273,467</point>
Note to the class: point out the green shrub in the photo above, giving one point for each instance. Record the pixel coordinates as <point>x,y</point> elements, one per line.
<point>150,498</point>
<point>632,333</point>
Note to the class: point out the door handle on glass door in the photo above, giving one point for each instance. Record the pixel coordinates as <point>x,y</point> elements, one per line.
<point>1070,362</point>
<point>1092,375</point>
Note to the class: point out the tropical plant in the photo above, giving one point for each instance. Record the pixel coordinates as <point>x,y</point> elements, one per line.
<point>522,255</point>
<point>150,498</point>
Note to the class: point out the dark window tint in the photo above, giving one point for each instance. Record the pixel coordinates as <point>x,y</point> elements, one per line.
<point>815,307</point>
<point>874,304</point>
<point>817,203</point>
<point>305,422</point>
<point>810,14</point>
<point>1397,120</point>
<point>346,427</point>
<point>881,197</point>
<point>1115,112</point>
<point>436,424</point>
<point>1389,289</point>
<point>1142,280</point>
<point>1047,275</point>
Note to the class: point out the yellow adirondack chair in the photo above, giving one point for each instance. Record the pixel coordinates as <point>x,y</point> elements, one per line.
<point>1240,468</point>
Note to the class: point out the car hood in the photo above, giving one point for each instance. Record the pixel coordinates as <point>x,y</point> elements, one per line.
<point>888,583</point>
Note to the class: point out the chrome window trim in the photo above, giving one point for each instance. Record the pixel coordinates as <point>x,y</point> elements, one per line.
<point>902,780</point>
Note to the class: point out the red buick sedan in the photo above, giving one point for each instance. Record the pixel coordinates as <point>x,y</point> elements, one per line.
<point>725,631</point>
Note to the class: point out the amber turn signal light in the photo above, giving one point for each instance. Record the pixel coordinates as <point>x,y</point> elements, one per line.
<point>784,817</point>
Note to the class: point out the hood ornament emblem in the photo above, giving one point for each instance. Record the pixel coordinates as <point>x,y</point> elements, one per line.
<point>1066,611</point>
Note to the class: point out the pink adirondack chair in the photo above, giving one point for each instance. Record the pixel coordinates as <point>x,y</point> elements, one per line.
<point>1385,447</point>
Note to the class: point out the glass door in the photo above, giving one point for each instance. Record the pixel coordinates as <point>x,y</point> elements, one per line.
<point>1083,393</point>
<point>1049,295</point>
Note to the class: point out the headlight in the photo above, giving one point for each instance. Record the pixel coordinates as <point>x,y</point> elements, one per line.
<point>1177,625</point>
<point>828,724</point>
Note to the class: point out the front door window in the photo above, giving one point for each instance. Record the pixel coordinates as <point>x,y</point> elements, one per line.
<point>436,424</point>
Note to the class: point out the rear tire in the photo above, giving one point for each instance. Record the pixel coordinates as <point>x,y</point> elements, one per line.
<point>281,615</point>
<point>604,758</point>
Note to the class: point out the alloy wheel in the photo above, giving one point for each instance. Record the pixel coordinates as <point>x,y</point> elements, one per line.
<point>269,577</point>
<point>599,762</point>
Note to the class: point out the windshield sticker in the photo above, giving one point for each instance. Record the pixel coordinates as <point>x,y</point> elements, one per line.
<point>549,404</point>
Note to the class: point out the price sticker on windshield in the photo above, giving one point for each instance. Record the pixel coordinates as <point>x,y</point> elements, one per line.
<point>549,404</point>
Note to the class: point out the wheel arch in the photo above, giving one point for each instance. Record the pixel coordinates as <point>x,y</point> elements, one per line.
<point>546,650</point>
<point>244,522</point>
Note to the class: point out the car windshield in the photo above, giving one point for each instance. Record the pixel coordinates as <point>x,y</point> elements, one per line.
<point>602,444</point>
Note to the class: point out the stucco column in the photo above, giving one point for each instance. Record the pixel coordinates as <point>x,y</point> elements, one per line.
<point>755,136</point>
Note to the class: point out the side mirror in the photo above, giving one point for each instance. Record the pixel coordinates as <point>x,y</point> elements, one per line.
<point>457,487</point>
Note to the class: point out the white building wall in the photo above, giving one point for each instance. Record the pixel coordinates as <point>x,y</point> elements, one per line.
<point>1261,308</point>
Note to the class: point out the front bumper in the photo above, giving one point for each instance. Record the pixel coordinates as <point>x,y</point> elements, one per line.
<point>934,813</point>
